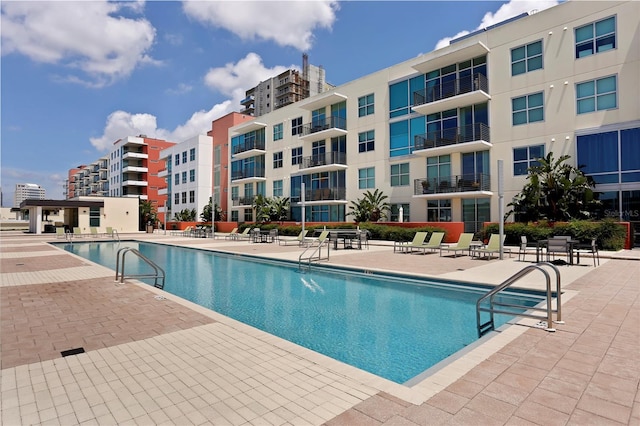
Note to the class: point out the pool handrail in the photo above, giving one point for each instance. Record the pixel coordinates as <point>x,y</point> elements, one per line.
<point>159,272</point>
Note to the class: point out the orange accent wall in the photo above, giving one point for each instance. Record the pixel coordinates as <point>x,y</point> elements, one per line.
<point>154,165</point>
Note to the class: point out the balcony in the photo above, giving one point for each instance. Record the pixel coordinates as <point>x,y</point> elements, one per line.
<point>452,94</point>
<point>242,201</point>
<point>163,191</point>
<point>472,185</point>
<point>134,169</point>
<point>327,162</point>
<point>163,173</point>
<point>248,99</point>
<point>335,195</point>
<point>131,182</point>
<point>331,127</point>
<point>248,149</point>
<point>248,175</point>
<point>134,154</point>
<point>470,138</point>
<point>322,100</point>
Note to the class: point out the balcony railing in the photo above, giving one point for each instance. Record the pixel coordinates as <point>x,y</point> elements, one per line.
<point>324,159</point>
<point>471,182</point>
<point>321,194</point>
<point>320,125</point>
<point>248,146</point>
<point>451,88</point>
<point>249,98</point>
<point>251,172</point>
<point>451,136</point>
<point>242,201</point>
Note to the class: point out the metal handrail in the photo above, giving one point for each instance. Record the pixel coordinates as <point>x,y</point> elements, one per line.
<point>115,231</point>
<point>159,272</point>
<point>318,251</point>
<point>484,328</point>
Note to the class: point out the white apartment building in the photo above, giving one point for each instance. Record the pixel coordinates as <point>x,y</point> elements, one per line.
<point>429,131</point>
<point>27,191</point>
<point>188,175</point>
<point>90,180</point>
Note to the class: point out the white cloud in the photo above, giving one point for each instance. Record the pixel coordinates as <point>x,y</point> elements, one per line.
<point>180,90</point>
<point>506,11</point>
<point>231,80</point>
<point>86,36</point>
<point>239,17</point>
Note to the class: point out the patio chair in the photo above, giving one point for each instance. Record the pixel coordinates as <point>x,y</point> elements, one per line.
<point>524,248</point>
<point>60,232</point>
<point>408,246</point>
<point>246,234</point>
<point>362,239</point>
<point>493,246</point>
<point>434,243</point>
<point>463,244</point>
<point>232,235</point>
<point>94,232</point>
<point>297,240</point>
<point>592,248</point>
<point>557,245</point>
<point>77,233</point>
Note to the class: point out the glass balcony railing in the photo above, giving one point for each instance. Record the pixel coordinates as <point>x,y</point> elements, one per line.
<point>458,183</point>
<point>324,159</point>
<point>452,136</point>
<point>451,88</point>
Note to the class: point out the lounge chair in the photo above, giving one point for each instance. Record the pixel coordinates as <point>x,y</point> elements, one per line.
<point>408,246</point>
<point>77,233</point>
<point>434,243</point>
<point>245,235</point>
<point>297,240</point>
<point>232,235</point>
<point>493,246</point>
<point>188,231</point>
<point>60,232</point>
<point>463,244</point>
<point>94,232</point>
<point>324,235</point>
<point>109,232</point>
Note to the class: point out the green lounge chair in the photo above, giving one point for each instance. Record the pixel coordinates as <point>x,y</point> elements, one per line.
<point>245,235</point>
<point>463,244</point>
<point>94,232</point>
<point>77,233</point>
<point>493,246</point>
<point>232,235</point>
<point>434,243</point>
<point>408,246</point>
<point>299,240</point>
<point>60,232</point>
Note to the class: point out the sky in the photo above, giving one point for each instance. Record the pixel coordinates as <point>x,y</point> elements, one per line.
<point>77,76</point>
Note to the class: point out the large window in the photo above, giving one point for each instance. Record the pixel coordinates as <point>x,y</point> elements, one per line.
<point>366,141</point>
<point>596,37</point>
<point>526,58</point>
<point>296,156</point>
<point>402,135</point>
<point>277,188</point>
<point>439,211</point>
<point>176,179</point>
<point>277,160</point>
<point>367,178</point>
<point>277,131</point>
<point>365,105</point>
<point>596,95</point>
<point>184,197</point>
<point>296,126</point>
<point>192,196</point>
<point>400,174</point>
<point>395,212</point>
<point>526,157</point>
<point>528,109</point>
<point>611,157</point>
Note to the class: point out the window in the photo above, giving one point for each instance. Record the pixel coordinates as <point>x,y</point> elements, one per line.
<point>277,188</point>
<point>611,157</point>
<point>184,198</point>
<point>192,175</point>
<point>248,215</point>
<point>366,178</point>
<point>528,109</point>
<point>184,157</point>
<point>596,95</point>
<point>176,179</point>
<point>400,174</point>
<point>177,159</point>
<point>296,156</point>
<point>365,105</point>
<point>526,58</point>
<point>277,160</point>
<point>526,157</point>
<point>439,211</point>
<point>277,131</point>
<point>596,37</point>
<point>192,196</point>
<point>366,141</point>
<point>192,154</point>
<point>176,198</point>
<point>184,177</point>
<point>296,126</point>
<point>94,216</point>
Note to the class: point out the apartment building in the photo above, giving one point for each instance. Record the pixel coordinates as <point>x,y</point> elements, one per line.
<point>429,131</point>
<point>88,180</point>
<point>134,164</point>
<point>284,89</point>
<point>27,191</point>
<point>188,175</point>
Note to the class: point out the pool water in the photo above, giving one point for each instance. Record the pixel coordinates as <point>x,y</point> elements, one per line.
<point>392,326</point>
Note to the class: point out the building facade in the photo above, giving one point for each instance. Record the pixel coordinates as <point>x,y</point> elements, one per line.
<point>88,180</point>
<point>429,132</point>
<point>27,191</point>
<point>188,175</point>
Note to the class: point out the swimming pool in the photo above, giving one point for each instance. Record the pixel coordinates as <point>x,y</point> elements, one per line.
<point>393,326</point>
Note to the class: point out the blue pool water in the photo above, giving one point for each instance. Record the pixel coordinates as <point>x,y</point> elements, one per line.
<point>395,327</point>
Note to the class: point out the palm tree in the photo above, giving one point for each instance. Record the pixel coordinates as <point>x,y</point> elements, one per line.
<point>371,208</point>
<point>279,208</point>
<point>206,213</point>
<point>147,214</point>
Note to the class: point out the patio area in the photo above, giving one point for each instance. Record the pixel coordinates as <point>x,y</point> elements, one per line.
<point>151,358</point>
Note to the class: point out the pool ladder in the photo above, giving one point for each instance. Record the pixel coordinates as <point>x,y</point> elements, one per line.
<point>495,307</point>
<point>158,274</point>
<point>316,255</point>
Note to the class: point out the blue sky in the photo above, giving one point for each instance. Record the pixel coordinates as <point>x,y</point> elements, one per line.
<point>77,76</point>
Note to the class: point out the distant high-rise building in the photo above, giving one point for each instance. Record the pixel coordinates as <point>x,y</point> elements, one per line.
<point>284,89</point>
<point>27,191</point>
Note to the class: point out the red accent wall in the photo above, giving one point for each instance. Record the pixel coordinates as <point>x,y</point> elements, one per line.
<point>154,164</point>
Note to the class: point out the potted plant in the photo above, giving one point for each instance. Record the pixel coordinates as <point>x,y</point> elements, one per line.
<point>425,186</point>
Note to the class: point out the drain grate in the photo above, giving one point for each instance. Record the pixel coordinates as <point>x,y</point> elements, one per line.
<point>75,351</point>
<point>159,297</point>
